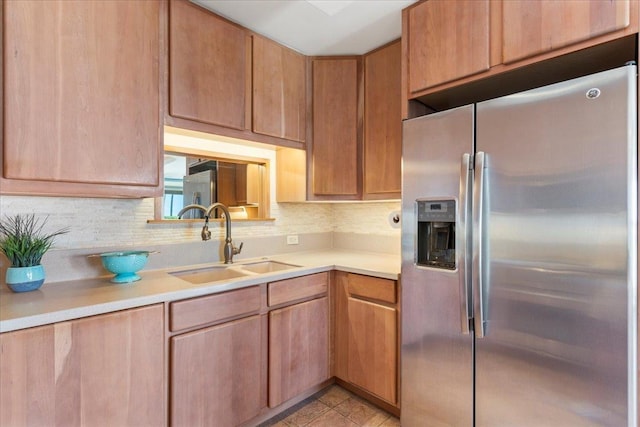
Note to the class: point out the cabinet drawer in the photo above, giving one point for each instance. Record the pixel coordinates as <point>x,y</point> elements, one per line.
<point>373,288</point>
<point>297,288</point>
<point>203,310</point>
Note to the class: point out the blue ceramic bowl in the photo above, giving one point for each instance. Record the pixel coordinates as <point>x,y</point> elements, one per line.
<point>124,264</point>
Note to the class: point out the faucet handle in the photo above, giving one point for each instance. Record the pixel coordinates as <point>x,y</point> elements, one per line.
<point>237,250</point>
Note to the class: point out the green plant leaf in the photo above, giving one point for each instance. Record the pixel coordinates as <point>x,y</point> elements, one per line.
<point>23,240</point>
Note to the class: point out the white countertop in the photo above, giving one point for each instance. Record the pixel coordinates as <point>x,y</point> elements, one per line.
<point>62,301</point>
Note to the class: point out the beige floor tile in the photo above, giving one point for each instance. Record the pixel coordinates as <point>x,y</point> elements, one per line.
<point>377,420</point>
<point>334,407</point>
<point>334,396</point>
<point>391,422</point>
<point>306,414</point>
<point>357,410</point>
<point>332,418</point>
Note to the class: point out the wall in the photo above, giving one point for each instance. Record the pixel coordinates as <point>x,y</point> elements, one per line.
<point>99,225</point>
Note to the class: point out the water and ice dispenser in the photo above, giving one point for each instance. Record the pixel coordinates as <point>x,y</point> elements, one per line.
<point>436,233</point>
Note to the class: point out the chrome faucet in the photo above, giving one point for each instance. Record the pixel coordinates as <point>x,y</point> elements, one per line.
<point>229,249</point>
<point>189,207</point>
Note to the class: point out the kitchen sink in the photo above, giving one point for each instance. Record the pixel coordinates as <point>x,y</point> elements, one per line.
<point>209,274</point>
<point>267,266</point>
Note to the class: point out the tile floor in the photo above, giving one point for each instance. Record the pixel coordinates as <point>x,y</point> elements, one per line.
<point>333,407</point>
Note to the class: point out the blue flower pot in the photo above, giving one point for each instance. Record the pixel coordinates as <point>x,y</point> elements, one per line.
<point>25,279</point>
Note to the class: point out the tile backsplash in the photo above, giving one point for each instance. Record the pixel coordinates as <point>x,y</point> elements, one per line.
<point>97,222</point>
<point>100,225</point>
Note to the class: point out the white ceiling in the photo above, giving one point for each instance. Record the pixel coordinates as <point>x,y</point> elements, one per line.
<point>318,27</point>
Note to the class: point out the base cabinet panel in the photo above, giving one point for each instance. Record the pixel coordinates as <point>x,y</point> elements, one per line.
<point>99,371</point>
<point>298,349</point>
<point>372,352</point>
<point>216,374</point>
<point>366,334</point>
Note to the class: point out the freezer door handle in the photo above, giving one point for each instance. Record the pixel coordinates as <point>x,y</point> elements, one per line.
<point>478,264</point>
<point>464,267</point>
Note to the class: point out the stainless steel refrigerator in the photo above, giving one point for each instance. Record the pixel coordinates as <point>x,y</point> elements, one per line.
<point>519,259</point>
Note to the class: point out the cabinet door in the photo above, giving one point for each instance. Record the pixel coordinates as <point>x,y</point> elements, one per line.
<point>336,168</point>
<point>382,123</point>
<point>207,67</point>
<point>534,27</point>
<point>279,91</point>
<point>81,96</point>
<point>373,348</point>
<point>448,40</point>
<point>216,374</point>
<point>106,369</point>
<point>298,349</point>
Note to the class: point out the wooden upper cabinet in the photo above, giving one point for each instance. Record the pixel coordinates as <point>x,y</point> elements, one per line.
<point>207,67</point>
<point>335,156</point>
<point>447,40</point>
<point>448,44</point>
<point>382,123</point>
<point>82,98</point>
<point>279,90</point>
<point>534,27</point>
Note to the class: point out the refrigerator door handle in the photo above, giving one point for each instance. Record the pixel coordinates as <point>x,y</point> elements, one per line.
<point>464,267</point>
<point>478,267</point>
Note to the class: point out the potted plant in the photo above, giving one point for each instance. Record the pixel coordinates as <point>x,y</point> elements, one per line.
<point>24,242</point>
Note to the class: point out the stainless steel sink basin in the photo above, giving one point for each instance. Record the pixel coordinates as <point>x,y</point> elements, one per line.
<point>208,274</point>
<point>266,266</point>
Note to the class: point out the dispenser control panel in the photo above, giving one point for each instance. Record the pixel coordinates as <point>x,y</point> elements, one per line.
<point>437,211</point>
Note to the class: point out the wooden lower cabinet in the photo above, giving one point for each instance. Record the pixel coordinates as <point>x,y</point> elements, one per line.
<point>366,334</point>
<point>372,354</point>
<point>298,349</point>
<point>105,370</point>
<point>216,374</point>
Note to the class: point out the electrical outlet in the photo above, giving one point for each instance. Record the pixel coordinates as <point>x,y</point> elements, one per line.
<point>292,240</point>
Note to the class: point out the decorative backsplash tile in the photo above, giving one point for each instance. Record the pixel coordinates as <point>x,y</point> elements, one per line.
<point>97,222</point>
